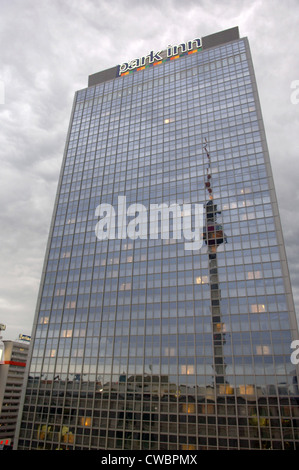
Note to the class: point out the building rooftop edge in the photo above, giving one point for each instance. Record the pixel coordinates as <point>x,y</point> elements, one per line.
<point>212,40</point>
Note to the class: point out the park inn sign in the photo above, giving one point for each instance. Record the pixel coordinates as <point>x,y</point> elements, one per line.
<point>156,57</point>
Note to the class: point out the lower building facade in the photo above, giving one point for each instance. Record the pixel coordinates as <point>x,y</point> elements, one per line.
<point>143,340</point>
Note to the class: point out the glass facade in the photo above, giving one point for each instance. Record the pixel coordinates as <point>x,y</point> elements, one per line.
<point>140,343</point>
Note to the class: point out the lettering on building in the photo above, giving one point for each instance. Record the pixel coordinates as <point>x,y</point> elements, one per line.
<point>155,57</point>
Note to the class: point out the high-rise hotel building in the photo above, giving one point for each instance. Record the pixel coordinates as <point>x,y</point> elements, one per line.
<point>143,339</point>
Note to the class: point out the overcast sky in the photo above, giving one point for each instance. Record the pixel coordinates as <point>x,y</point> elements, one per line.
<point>48,49</point>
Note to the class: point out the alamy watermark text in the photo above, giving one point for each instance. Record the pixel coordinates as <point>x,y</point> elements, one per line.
<point>170,221</point>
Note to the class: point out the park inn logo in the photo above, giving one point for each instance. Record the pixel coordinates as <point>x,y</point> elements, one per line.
<point>136,222</point>
<point>156,57</point>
